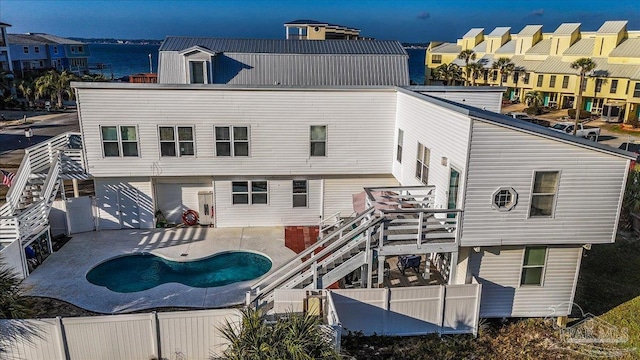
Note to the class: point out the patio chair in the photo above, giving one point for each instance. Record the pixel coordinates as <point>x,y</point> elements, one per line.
<point>409,262</point>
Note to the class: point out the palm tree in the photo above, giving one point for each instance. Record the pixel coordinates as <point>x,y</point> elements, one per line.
<point>13,303</point>
<point>94,78</point>
<point>534,98</point>
<point>467,55</point>
<point>504,67</point>
<point>450,73</point>
<point>26,88</point>
<point>475,69</point>
<point>55,84</point>
<point>293,336</point>
<point>583,65</point>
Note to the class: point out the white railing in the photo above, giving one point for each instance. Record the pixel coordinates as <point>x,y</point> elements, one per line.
<point>421,226</point>
<point>329,222</point>
<point>401,197</point>
<point>16,189</point>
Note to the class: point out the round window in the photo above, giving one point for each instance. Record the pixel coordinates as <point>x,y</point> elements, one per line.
<point>504,199</point>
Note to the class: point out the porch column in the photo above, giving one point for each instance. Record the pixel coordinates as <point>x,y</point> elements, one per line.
<point>76,192</point>
<point>453,265</point>
<point>381,271</point>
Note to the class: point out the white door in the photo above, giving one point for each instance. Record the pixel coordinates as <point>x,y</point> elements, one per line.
<point>118,206</point>
<point>129,211</point>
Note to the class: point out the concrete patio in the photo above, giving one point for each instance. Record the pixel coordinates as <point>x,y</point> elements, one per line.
<point>63,275</point>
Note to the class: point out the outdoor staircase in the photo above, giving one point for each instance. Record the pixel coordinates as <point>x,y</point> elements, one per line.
<point>330,259</point>
<point>29,199</point>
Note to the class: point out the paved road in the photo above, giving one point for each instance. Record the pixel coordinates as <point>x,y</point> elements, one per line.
<point>13,141</point>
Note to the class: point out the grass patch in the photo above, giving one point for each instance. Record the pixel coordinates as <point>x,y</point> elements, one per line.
<point>619,130</point>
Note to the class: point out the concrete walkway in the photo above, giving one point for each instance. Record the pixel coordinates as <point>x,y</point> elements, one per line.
<point>63,275</point>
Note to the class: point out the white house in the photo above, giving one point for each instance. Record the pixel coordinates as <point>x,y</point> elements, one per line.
<point>499,201</point>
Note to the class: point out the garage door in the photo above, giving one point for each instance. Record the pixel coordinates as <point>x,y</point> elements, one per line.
<point>117,205</point>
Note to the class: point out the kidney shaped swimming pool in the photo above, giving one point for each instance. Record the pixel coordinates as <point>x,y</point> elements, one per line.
<point>131,273</point>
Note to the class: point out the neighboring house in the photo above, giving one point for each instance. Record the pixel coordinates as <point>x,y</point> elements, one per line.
<point>189,60</point>
<point>516,204</point>
<point>542,62</point>
<point>5,55</point>
<point>318,30</point>
<point>35,51</point>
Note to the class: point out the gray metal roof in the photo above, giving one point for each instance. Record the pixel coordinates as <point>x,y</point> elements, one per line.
<point>4,24</point>
<point>522,64</point>
<point>315,22</point>
<point>508,48</point>
<point>612,27</point>
<point>447,48</point>
<point>39,39</point>
<point>481,47</point>
<point>486,61</point>
<point>567,29</point>
<point>581,47</point>
<point>627,48</point>
<point>530,30</point>
<point>499,31</point>
<point>473,32</point>
<point>543,47</point>
<point>59,40</point>
<point>605,69</point>
<point>278,46</point>
<point>555,65</point>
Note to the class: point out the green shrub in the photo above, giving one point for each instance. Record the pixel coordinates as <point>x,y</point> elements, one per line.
<point>584,114</point>
<point>533,110</point>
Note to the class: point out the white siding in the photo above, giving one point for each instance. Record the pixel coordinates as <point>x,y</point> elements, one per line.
<point>587,200</point>
<point>132,196</point>
<point>499,270</point>
<point>171,68</point>
<point>443,131</point>
<point>175,196</point>
<point>486,100</point>
<point>338,192</point>
<point>359,126</point>
<point>278,212</point>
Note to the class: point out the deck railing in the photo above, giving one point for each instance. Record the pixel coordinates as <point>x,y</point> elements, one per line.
<point>421,226</point>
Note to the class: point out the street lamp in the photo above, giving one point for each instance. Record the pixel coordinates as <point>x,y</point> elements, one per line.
<point>150,65</point>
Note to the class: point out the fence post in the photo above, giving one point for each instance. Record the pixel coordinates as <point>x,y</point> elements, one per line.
<point>155,331</point>
<point>420,220</point>
<point>441,306</point>
<point>386,299</point>
<point>62,339</point>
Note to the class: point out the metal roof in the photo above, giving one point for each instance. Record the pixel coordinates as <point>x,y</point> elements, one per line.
<point>543,47</point>
<point>282,46</point>
<point>627,48</point>
<point>486,61</point>
<point>447,48</point>
<point>473,32</point>
<point>508,48</point>
<point>481,47</point>
<point>555,65</point>
<point>315,22</point>
<point>605,69</point>
<point>59,40</point>
<point>581,47</point>
<point>522,64</point>
<point>567,29</point>
<point>4,24</point>
<point>39,39</point>
<point>530,30</point>
<point>499,31</point>
<point>612,27</point>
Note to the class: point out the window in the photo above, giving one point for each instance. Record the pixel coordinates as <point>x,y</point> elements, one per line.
<point>504,199</point>
<point>494,76</point>
<point>516,75</point>
<point>527,76</point>
<point>196,69</point>
<point>565,82</point>
<point>422,163</point>
<point>552,81</point>
<point>636,90</point>
<point>36,49</point>
<point>626,90</point>
<point>399,149</point>
<point>543,196</point>
<point>485,76</point>
<point>25,49</point>
<point>584,84</point>
<point>73,49</point>
<point>232,140</point>
<point>318,140</point>
<point>80,49</point>
<point>436,59</point>
<point>300,192</point>
<point>249,192</point>
<point>598,85</point>
<point>504,77</point>
<point>124,141</point>
<point>533,266</point>
<point>614,86</point>
<point>183,146</point>
<point>540,80</point>
<point>55,49</point>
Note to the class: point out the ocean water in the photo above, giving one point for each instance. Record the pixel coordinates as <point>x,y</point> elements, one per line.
<point>123,60</point>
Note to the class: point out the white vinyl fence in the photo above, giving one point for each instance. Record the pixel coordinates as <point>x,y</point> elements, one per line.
<point>171,335</point>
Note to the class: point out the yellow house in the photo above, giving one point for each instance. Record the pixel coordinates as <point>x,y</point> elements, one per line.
<point>542,62</point>
<point>318,30</point>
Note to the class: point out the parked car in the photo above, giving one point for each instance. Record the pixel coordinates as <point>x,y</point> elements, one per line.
<point>589,132</point>
<point>632,147</point>
<point>517,115</point>
<point>541,122</point>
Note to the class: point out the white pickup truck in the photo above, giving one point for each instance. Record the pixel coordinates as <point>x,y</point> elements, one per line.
<point>589,132</point>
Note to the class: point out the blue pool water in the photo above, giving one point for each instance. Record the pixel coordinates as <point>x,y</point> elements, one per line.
<point>139,272</point>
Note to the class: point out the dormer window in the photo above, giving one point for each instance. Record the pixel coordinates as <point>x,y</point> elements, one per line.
<point>197,72</point>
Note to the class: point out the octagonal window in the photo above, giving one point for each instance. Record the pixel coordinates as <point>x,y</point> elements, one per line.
<point>504,199</point>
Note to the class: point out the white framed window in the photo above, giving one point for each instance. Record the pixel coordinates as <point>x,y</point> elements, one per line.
<point>300,193</point>
<point>119,141</point>
<point>400,143</point>
<point>533,265</point>
<point>504,199</point>
<point>543,193</point>
<point>318,140</point>
<point>25,49</point>
<point>249,192</point>
<point>198,72</point>
<point>422,163</point>
<point>176,141</point>
<point>232,140</point>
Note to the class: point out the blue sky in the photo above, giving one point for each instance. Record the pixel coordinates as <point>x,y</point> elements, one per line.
<point>404,20</point>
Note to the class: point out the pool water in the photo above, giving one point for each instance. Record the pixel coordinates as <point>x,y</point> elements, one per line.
<point>139,272</point>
